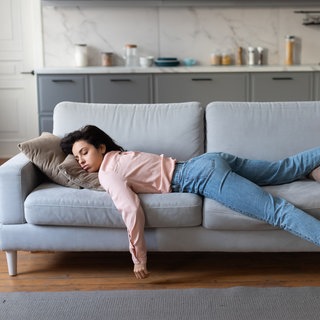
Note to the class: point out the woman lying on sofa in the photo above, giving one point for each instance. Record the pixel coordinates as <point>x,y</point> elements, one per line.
<point>228,179</point>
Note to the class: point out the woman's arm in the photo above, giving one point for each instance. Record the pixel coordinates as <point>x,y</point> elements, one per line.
<point>128,204</point>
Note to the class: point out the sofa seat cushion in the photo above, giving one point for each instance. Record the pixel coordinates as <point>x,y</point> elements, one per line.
<point>51,204</point>
<point>303,194</point>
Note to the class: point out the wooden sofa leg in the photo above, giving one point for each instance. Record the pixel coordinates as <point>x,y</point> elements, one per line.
<point>12,262</point>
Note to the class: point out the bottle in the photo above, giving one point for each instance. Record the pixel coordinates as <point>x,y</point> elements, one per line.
<point>260,55</point>
<point>239,57</point>
<point>251,56</point>
<point>81,55</point>
<point>130,55</point>
<point>289,54</point>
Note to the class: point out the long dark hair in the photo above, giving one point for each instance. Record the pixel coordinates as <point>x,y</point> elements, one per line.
<point>91,134</point>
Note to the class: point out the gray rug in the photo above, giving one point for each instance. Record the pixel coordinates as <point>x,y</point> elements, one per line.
<point>239,303</point>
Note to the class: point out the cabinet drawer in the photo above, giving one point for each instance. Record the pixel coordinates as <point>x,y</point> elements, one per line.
<point>281,86</point>
<point>56,88</point>
<point>120,88</point>
<point>202,87</point>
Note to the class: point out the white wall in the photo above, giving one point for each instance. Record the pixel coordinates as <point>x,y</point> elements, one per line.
<point>179,32</point>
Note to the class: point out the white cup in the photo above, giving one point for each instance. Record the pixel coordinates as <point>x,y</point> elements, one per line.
<point>146,61</point>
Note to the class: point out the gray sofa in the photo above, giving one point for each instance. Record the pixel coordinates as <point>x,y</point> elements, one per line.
<point>37,214</point>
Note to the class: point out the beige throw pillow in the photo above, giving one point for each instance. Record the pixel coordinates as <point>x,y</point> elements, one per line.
<point>46,154</point>
<point>71,169</point>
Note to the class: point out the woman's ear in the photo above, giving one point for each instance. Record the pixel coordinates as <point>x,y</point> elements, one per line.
<point>103,148</point>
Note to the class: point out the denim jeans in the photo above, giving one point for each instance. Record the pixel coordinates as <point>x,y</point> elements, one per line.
<point>235,182</point>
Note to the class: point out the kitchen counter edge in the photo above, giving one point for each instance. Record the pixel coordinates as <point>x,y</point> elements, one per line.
<point>179,69</point>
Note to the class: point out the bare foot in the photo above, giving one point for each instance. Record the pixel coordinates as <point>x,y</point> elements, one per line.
<point>315,174</point>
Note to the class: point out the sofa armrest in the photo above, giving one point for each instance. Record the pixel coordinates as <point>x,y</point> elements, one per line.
<point>18,177</point>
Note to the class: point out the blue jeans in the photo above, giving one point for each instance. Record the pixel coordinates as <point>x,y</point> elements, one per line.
<point>235,182</point>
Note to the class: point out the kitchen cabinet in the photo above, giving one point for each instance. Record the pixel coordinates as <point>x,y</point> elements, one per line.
<point>202,87</point>
<point>120,88</point>
<point>281,86</point>
<point>155,87</point>
<point>317,85</point>
<point>53,89</point>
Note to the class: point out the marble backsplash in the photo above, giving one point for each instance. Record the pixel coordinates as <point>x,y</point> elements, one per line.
<point>175,32</point>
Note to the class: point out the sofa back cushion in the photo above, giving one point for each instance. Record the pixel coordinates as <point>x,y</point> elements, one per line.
<point>175,129</point>
<point>265,130</point>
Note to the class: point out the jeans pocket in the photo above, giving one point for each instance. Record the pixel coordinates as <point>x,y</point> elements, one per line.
<point>196,173</point>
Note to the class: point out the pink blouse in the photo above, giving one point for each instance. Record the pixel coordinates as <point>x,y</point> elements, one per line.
<point>123,175</point>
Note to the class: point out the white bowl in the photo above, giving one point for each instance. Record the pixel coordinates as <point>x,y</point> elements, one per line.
<point>146,61</point>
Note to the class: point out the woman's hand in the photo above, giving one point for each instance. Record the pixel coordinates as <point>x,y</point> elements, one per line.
<point>140,271</point>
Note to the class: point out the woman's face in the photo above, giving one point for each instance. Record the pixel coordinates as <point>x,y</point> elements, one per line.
<point>88,156</point>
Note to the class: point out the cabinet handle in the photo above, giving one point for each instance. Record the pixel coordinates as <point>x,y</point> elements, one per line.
<point>28,72</point>
<point>62,80</point>
<point>120,80</point>
<point>201,79</point>
<point>282,78</point>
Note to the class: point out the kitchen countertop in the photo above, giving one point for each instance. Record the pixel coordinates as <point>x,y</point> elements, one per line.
<point>178,69</point>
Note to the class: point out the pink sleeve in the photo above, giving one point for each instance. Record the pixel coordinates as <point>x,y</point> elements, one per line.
<point>128,204</point>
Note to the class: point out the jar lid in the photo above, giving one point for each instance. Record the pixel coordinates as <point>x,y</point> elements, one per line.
<point>290,37</point>
<point>81,44</point>
<point>131,45</point>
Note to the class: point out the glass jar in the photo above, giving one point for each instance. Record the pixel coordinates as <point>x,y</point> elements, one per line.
<point>289,55</point>
<point>81,55</point>
<point>215,58</point>
<point>226,59</point>
<point>106,59</point>
<point>130,55</point>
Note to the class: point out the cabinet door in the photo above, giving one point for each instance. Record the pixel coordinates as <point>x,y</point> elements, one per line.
<point>120,88</point>
<point>281,86</point>
<point>202,87</point>
<point>317,85</point>
<point>56,88</point>
<point>53,89</point>
<point>46,123</point>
